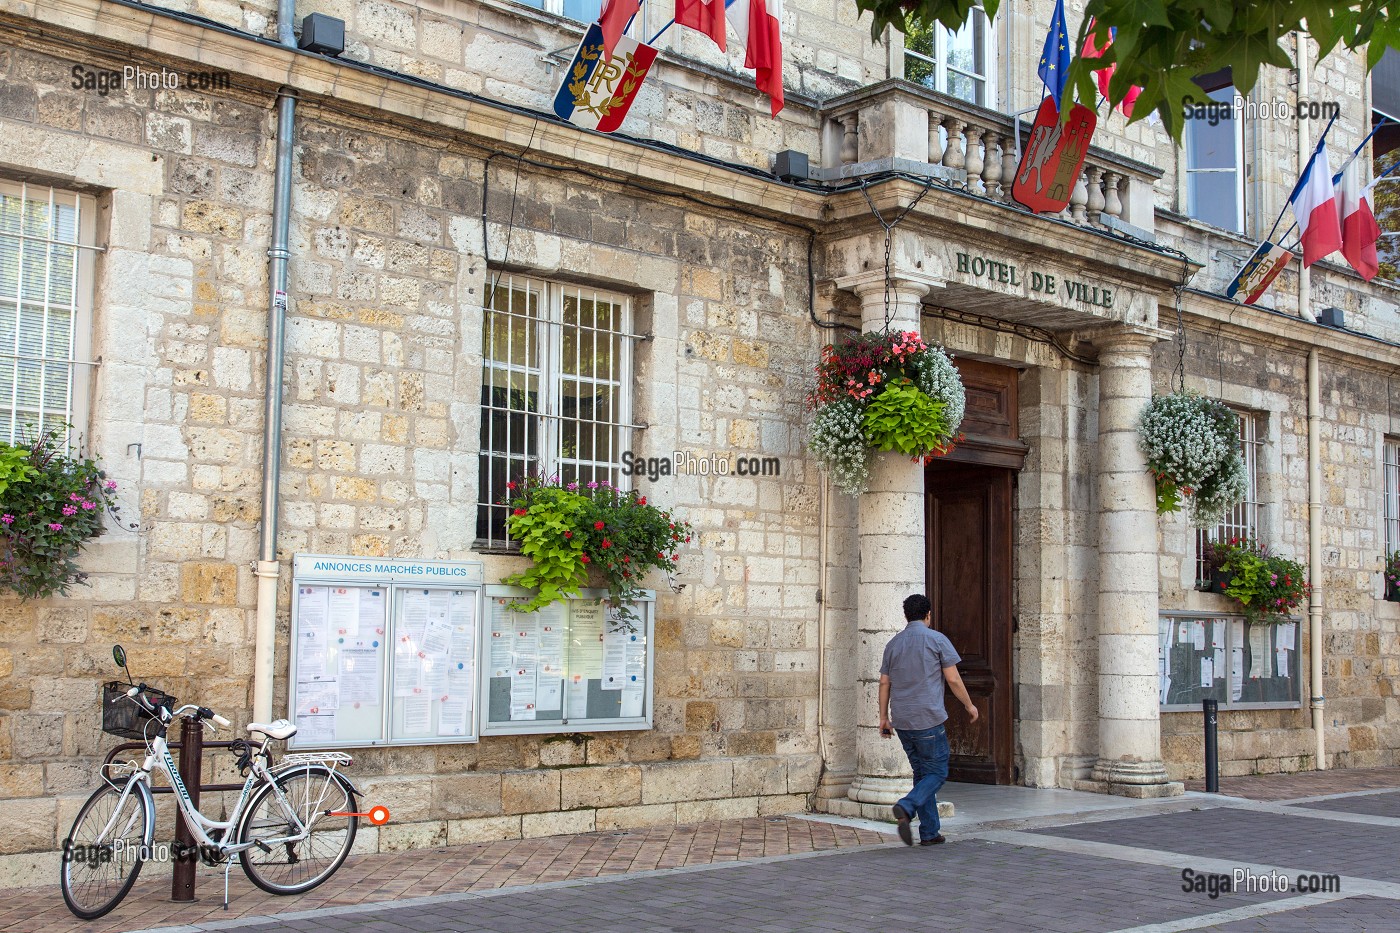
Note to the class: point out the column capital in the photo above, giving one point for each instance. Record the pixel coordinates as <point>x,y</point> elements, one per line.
<point>1128,338</point>
<point>864,284</point>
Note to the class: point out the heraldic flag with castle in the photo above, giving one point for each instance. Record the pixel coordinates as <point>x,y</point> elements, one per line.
<point>598,88</point>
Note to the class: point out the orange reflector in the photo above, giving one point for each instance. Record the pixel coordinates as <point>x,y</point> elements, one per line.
<point>377,816</point>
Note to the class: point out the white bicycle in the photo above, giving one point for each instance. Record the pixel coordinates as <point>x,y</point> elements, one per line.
<point>291,829</point>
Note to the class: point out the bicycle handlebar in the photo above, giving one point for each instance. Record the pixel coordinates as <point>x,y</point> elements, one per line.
<point>137,695</point>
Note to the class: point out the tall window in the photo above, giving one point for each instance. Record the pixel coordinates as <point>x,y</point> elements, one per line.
<point>1214,152</point>
<point>955,63</point>
<point>46,236</point>
<point>1392,496</point>
<point>555,390</point>
<point>1243,520</point>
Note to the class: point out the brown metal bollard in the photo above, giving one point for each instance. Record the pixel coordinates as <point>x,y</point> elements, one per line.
<point>191,771</point>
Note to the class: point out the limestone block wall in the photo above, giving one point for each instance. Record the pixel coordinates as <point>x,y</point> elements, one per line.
<point>380,447</point>
<point>1359,629</point>
<point>696,96</point>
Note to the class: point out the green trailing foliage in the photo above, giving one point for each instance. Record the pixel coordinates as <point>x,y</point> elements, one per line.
<point>52,502</point>
<point>573,532</point>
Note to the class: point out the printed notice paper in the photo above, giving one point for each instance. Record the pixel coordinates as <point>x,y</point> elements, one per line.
<point>359,672</point>
<point>343,611</point>
<point>312,730</point>
<point>417,715</point>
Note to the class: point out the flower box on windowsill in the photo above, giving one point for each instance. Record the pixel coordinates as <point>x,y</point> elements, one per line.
<point>1392,592</point>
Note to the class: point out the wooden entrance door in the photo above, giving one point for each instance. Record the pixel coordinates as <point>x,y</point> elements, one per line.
<point>969,583</point>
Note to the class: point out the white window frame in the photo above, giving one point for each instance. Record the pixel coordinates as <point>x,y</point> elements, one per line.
<point>76,357</point>
<point>940,65</point>
<point>1237,121</point>
<point>1243,520</point>
<point>1390,495</point>
<point>547,422</point>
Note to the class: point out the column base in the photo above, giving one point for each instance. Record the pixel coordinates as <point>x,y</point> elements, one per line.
<point>1140,779</point>
<point>868,788</point>
<point>835,785</point>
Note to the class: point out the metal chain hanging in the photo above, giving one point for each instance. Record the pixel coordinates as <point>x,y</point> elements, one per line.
<point>1181,329</point>
<point>889,240</point>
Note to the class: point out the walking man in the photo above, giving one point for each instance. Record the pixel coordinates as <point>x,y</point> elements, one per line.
<point>917,663</point>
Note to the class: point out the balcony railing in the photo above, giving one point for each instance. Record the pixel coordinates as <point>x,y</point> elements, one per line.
<point>896,125</point>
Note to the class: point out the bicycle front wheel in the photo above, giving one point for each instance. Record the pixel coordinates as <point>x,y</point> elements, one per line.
<point>303,836</point>
<point>104,851</point>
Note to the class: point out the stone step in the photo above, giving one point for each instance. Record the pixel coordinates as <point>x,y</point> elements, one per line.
<point>844,806</point>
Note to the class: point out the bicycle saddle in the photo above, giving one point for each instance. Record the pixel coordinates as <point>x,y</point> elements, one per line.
<point>277,730</point>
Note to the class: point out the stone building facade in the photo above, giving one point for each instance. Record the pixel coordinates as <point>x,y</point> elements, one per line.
<point>424,170</point>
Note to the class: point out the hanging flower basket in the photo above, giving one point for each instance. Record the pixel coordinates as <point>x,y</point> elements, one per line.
<point>573,533</point>
<point>51,504</point>
<point>882,392</point>
<point>1192,445</point>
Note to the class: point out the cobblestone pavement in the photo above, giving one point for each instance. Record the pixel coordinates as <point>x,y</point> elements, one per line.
<point>377,878</point>
<point>1387,805</point>
<point>1118,870</point>
<point>1304,784</point>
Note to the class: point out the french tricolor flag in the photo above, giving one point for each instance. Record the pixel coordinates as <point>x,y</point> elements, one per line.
<point>759,25</point>
<point>1360,232</point>
<point>1314,202</point>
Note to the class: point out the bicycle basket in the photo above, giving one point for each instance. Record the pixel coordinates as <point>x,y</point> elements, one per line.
<point>123,717</point>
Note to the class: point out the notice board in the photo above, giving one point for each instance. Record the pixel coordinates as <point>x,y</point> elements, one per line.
<point>383,651</point>
<point>1241,665</point>
<point>577,665</point>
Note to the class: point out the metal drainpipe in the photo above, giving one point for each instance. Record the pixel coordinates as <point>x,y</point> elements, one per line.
<point>267,569</point>
<point>1318,704</point>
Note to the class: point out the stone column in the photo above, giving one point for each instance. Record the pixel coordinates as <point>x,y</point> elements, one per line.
<point>1130,753</point>
<point>893,563</point>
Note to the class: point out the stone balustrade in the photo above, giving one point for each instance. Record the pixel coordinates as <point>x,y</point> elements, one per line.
<point>899,126</point>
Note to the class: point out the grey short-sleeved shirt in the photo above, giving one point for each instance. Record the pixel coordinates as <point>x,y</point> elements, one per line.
<point>914,661</point>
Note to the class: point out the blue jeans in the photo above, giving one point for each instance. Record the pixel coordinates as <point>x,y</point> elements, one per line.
<point>928,756</point>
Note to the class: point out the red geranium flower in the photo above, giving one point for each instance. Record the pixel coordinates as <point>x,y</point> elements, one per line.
<point>519,511</point>
<point>583,557</point>
<point>642,500</point>
<point>598,526</point>
<point>568,534</point>
<point>607,543</point>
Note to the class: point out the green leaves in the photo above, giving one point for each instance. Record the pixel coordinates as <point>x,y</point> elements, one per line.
<point>51,504</point>
<point>1162,44</point>
<point>904,419</point>
<point>569,534</point>
<point>14,466</point>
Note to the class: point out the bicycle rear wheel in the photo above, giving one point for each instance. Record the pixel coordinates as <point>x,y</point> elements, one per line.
<point>281,865</point>
<point>104,851</point>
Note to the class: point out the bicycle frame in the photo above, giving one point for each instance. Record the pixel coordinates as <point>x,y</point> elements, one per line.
<point>199,825</point>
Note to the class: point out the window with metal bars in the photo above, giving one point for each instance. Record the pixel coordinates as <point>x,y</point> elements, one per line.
<point>1392,496</point>
<point>1243,520</point>
<point>46,240</point>
<point>555,390</point>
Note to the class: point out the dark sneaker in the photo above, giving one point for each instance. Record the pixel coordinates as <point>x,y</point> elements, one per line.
<point>902,819</point>
<point>935,841</point>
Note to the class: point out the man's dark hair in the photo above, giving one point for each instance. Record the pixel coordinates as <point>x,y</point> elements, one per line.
<point>917,607</point>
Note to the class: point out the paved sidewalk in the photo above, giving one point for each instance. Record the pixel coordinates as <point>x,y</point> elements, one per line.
<point>1304,783</point>
<point>388,877</point>
<point>1016,859</point>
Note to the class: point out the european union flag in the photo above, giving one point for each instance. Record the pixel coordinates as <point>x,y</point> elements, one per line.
<point>1054,58</point>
